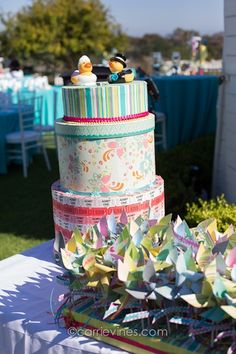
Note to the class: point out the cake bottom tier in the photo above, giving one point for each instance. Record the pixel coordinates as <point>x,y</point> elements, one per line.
<point>74,211</point>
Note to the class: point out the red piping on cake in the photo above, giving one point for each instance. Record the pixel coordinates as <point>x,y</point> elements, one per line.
<point>107,120</point>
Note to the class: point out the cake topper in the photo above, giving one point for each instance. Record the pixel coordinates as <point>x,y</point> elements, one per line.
<point>84,75</point>
<point>118,74</point>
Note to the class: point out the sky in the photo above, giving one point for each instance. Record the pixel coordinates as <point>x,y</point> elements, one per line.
<point>138,17</point>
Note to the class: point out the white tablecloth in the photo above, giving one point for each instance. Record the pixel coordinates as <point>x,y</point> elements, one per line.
<point>27,282</point>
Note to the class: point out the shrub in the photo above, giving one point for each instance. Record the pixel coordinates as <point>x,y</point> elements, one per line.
<point>218,208</point>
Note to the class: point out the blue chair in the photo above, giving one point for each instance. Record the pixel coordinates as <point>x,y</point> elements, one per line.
<point>19,142</point>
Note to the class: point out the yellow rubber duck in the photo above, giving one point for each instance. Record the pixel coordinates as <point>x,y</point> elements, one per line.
<point>118,74</point>
<point>84,75</point>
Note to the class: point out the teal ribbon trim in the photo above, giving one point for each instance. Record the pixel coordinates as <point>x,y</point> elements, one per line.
<point>104,136</point>
<point>107,194</point>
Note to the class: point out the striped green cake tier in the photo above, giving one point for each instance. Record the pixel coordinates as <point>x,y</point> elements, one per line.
<point>105,100</point>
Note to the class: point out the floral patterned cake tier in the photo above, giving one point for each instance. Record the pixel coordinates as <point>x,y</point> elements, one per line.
<point>106,159</point>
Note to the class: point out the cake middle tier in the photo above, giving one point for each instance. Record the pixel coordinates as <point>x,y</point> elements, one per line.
<point>106,159</point>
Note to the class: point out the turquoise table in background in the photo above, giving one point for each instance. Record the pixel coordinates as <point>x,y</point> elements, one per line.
<point>9,119</point>
<point>9,122</point>
<point>49,110</point>
<point>48,105</point>
<point>189,103</point>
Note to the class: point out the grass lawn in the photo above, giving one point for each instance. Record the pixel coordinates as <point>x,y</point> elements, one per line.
<point>11,244</point>
<point>26,217</point>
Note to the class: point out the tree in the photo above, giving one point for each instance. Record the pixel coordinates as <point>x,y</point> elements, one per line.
<point>178,41</point>
<point>214,45</point>
<point>57,32</point>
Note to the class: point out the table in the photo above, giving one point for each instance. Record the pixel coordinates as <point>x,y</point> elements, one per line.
<point>189,103</point>
<point>9,122</point>
<point>9,118</point>
<point>50,111</point>
<point>28,282</point>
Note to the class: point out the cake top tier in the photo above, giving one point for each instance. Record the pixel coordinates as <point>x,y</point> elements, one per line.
<point>104,101</point>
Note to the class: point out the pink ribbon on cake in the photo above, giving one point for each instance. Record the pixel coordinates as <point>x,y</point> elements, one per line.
<point>100,211</point>
<point>107,120</point>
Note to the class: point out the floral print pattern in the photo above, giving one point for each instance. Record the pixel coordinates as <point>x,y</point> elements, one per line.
<point>106,165</point>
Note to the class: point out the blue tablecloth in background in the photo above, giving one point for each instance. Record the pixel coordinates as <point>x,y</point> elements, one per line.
<point>49,110</point>
<point>9,122</point>
<point>48,105</point>
<point>189,103</point>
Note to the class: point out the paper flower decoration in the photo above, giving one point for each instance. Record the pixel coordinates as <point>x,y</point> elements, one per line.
<point>146,274</point>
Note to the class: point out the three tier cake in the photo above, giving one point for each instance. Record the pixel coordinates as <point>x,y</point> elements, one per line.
<point>106,154</point>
